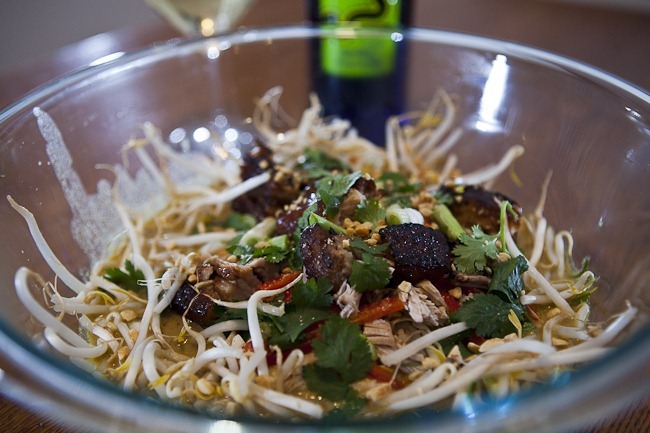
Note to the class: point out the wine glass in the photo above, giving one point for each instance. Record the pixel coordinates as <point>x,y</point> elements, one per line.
<point>200,17</point>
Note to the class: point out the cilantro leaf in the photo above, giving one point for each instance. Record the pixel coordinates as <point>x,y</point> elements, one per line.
<point>487,314</point>
<point>243,252</point>
<point>398,188</point>
<point>272,253</point>
<point>443,197</point>
<point>310,303</point>
<point>128,280</point>
<point>342,348</point>
<point>240,221</point>
<point>313,293</point>
<point>333,187</point>
<point>325,382</point>
<point>287,330</point>
<point>370,210</point>
<point>507,282</point>
<point>370,273</point>
<point>395,182</point>
<point>351,405</point>
<point>359,244</point>
<point>318,163</point>
<point>277,250</point>
<point>473,250</point>
<point>303,221</point>
<point>223,314</point>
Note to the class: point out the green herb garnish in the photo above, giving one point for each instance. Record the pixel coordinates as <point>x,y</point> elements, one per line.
<point>343,356</point>
<point>473,251</point>
<point>370,210</point>
<point>333,187</point>
<point>128,279</point>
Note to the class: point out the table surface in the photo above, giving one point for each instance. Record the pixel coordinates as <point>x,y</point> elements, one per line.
<point>615,41</point>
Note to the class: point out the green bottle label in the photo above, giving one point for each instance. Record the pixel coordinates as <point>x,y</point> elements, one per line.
<point>358,57</point>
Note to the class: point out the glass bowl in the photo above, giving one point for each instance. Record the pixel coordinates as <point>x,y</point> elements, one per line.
<point>590,129</point>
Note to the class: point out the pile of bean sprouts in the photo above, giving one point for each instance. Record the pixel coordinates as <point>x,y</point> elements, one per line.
<point>123,335</point>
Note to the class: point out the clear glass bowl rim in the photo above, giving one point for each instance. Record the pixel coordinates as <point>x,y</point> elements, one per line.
<point>50,371</point>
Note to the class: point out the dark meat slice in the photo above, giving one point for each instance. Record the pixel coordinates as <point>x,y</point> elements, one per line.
<point>324,255</point>
<point>287,219</point>
<point>257,161</point>
<point>366,186</point>
<point>231,281</point>
<point>219,279</point>
<point>265,270</point>
<point>266,199</point>
<point>197,306</point>
<point>419,252</point>
<point>474,205</point>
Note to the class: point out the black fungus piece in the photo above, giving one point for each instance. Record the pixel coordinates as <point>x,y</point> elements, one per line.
<point>418,252</point>
<point>473,205</point>
<point>265,200</point>
<point>325,255</point>
<point>197,306</point>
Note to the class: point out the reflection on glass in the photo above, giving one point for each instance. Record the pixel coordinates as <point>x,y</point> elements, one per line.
<point>217,137</point>
<point>204,17</point>
<point>493,94</point>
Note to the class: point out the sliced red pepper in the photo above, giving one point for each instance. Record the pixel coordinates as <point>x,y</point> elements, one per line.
<point>279,282</point>
<point>378,309</point>
<point>452,303</point>
<point>381,373</point>
<point>476,339</point>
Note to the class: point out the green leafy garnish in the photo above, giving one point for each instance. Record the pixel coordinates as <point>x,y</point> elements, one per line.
<point>128,280</point>
<point>223,314</point>
<point>507,282</point>
<point>473,251</point>
<point>348,407</point>
<point>343,356</point>
<point>275,250</point>
<point>397,183</point>
<point>372,271</point>
<point>487,314</point>
<point>369,273</point>
<point>443,197</point>
<point>318,164</point>
<point>325,224</point>
<point>359,244</point>
<point>288,330</point>
<point>272,253</point>
<point>333,187</point>
<point>239,221</point>
<point>310,303</point>
<point>314,293</point>
<point>370,210</point>
<point>398,188</point>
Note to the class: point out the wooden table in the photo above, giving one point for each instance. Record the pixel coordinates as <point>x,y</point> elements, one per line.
<point>612,40</point>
